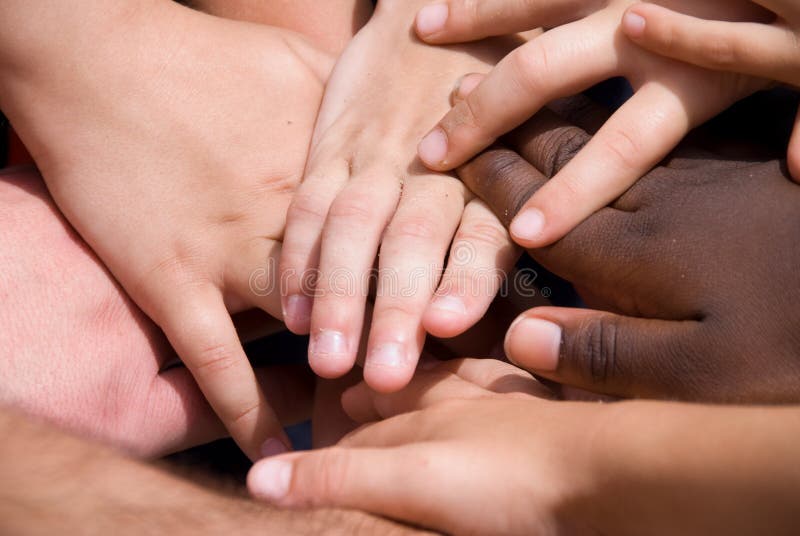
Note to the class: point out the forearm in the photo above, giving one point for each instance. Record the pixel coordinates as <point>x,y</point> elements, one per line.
<point>329,24</point>
<point>683,469</point>
<point>54,483</point>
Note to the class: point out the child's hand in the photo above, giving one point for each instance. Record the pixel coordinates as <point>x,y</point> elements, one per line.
<point>670,99</point>
<point>174,149</point>
<point>364,188</point>
<point>766,50</point>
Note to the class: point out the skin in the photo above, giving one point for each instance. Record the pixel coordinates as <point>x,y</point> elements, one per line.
<point>192,229</point>
<point>470,447</point>
<point>366,202</point>
<point>677,311</point>
<point>766,50</point>
<point>579,51</point>
<point>55,483</point>
<point>77,352</point>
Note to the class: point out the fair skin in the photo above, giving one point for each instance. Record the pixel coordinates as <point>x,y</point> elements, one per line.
<point>366,201</point>
<point>766,50</point>
<point>469,447</point>
<point>582,49</point>
<point>57,484</point>
<point>76,352</point>
<point>182,189</point>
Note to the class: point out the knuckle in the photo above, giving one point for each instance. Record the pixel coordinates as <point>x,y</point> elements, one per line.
<point>352,209</point>
<point>623,147</point>
<point>530,67</point>
<point>719,50</point>
<point>413,228</point>
<point>487,233</point>
<point>212,359</point>
<point>399,309</point>
<point>558,149</point>
<point>307,207</point>
<point>330,474</point>
<point>594,348</point>
<point>244,415</point>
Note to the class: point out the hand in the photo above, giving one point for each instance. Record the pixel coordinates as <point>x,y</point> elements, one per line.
<point>175,157</point>
<point>479,453</point>
<point>584,49</point>
<point>766,50</point>
<point>364,189</point>
<point>74,349</point>
<point>108,493</point>
<point>693,270</point>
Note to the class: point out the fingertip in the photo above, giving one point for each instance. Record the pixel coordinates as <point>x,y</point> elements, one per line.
<point>270,480</point>
<point>297,313</point>
<point>431,20</point>
<point>633,23</point>
<point>527,228</point>
<point>432,150</point>
<point>329,354</point>
<point>446,317</point>
<point>390,378</point>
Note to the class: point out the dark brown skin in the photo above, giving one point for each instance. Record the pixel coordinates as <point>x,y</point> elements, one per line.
<point>693,273</point>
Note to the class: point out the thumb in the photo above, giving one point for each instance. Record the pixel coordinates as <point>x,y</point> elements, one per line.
<point>376,480</point>
<point>612,354</point>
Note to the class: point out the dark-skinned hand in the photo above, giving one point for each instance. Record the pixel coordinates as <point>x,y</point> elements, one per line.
<point>692,274</point>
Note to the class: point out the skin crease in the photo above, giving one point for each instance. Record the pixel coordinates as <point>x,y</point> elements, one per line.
<point>577,52</point>
<point>698,305</point>
<point>364,195</point>
<point>183,230</point>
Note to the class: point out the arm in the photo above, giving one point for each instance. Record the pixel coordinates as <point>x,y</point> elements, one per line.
<point>54,483</point>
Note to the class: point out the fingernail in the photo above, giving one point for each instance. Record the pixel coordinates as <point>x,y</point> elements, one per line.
<point>298,309</point>
<point>533,344</point>
<point>270,480</point>
<point>449,304</point>
<point>464,86</point>
<point>528,225</point>
<point>390,355</point>
<point>273,447</point>
<point>431,19</point>
<point>633,24</point>
<point>433,147</point>
<point>327,344</point>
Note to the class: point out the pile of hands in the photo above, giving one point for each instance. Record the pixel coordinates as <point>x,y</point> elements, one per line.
<point>247,168</point>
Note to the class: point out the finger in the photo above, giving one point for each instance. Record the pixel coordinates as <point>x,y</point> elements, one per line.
<point>612,354</point>
<point>480,258</point>
<point>561,62</point>
<point>793,156</point>
<point>305,220</point>
<point>761,50</point>
<point>457,21</point>
<point>201,330</point>
<point>642,132</point>
<point>411,257</point>
<point>252,275</point>
<point>439,382</point>
<point>353,230</point>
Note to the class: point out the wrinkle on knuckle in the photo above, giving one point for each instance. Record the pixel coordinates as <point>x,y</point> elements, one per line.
<point>307,207</point>
<point>487,233</point>
<point>597,347</point>
<point>623,147</point>
<point>530,68</point>
<point>353,209</point>
<point>331,474</point>
<point>559,148</point>
<point>212,359</point>
<point>412,228</point>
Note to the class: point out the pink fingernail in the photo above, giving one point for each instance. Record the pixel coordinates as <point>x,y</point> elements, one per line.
<point>633,24</point>
<point>390,355</point>
<point>431,19</point>
<point>298,309</point>
<point>533,344</point>
<point>528,225</point>
<point>327,344</point>
<point>433,147</point>
<point>449,304</point>
<point>269,480</point>
<point>273,447</point>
